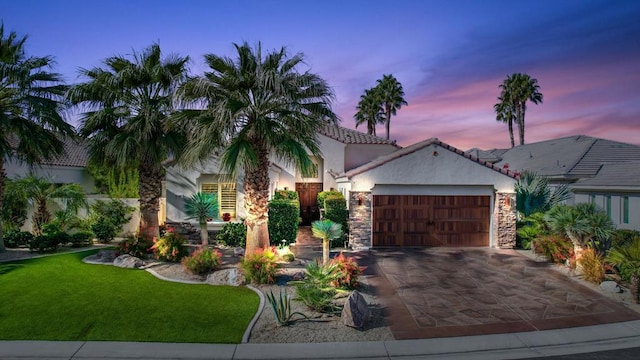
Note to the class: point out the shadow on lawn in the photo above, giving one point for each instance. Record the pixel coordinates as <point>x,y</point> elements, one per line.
<point>7,268</point>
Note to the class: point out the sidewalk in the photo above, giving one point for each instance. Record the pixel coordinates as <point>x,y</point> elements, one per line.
<point>499,346</point>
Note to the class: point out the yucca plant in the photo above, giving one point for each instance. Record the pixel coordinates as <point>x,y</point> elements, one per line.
<point>628,258</point>
<point>326,230</point>
<point>282,309</point>
<point>202,207</point>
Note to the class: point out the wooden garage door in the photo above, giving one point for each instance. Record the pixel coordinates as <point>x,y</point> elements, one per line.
<point>406,220</point>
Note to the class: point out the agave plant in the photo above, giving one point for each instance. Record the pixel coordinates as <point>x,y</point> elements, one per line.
<point>628,257</point>
<point>326,230</point>
<point>202,207</point>
<point>282,309</point>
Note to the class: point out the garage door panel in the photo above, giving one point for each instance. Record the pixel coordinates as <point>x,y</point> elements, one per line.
<point>404,220</point>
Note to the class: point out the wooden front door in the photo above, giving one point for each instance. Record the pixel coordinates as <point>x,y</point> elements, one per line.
<point>308,194</point>
<point>405,220</point>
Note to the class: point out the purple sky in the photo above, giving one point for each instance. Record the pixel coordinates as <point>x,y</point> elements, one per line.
<point>450,56</point>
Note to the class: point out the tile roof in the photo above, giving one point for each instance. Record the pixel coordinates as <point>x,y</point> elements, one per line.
<point>349,136</point>
<point>76,156</point>
<point>572,157</point>
<point>420,145</point>
<point>614,175</point>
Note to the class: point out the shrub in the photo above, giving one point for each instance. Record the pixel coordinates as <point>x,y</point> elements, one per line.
<point>202,261</point>
<point>260,267</point>
<point>104,230</point>
<point>46,242</point>
<point>324,194</point>
<point>14,206</point>
<point>592,266</point>
<point>13,239</point>
<point>283,221</point>
<point>114,213</point>
<point>335,209</point>
<point>82,238</point>
<point>556,249</point>
<point>624,237</point>
<point>170,248</point>
<point>285,195</point>
<point>136,246</point>
<point>347,272</point>
<point>233,234</point>
<point>316,290</point>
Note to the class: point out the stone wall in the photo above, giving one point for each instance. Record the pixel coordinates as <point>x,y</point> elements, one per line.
<point>360,219</point>
<point>505,219</point>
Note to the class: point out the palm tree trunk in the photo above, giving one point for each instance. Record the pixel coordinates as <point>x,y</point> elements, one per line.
<point>256,201</point>
<point>635,287</point>
<point>3,178</point>
<point>41,216</point>
<point>521,111</point>
<point>150,188</point>
<point>510,122</point>
<point>325,251</point>
<point>388,122</point>
<point>204,234</point>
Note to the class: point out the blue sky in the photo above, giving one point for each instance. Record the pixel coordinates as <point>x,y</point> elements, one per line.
<point>450,56</point>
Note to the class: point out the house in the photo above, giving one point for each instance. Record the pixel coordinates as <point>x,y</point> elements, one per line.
<point>599,171</point>
<point>427,194</point>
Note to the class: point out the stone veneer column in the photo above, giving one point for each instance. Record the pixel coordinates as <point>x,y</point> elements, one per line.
<point>360,219</point>
<point>505,219</point>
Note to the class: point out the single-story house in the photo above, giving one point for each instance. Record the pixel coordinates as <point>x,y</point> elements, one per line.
<point>600,171</point>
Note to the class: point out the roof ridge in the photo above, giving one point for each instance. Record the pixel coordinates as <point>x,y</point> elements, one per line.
<point>584,154</point>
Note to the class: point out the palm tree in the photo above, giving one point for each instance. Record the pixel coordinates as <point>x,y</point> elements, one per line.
<point>326,230</point>
<point>391,96</point>
<point>534,194</point>
<point>369,110</point>
<point>517,89</point>
<point>31,127</point>
<point>628,257</point>
<point>505,113</point>
<point>255,106</point>
<point>202,207</point>
<point>127,104</point>
<point>41,192</point>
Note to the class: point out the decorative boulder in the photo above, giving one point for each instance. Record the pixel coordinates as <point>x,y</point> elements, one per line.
<point>230,276</point>
<point>106,256</point>
<point>355,312</point>
<point>298,276</point>
<point>238,251</point>
<point>128,261</point>
<point>610,287</point>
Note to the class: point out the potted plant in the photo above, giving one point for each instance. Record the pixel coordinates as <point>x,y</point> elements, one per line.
<point>226,216</point>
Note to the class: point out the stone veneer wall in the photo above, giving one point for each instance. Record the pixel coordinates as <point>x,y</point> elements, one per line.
<point>505,218</point>
<point>360,219</point>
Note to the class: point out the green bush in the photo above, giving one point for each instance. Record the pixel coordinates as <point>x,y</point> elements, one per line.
<point>14,239</point>
<point>104,230</point>
<point>556,249</point>
<point>324,194</point>
<point>624,237</point>
<point>233,234</point>
<point>104,213</point>
<point>285,195</point>
<point>14,206</point>
<point>316,290</point>
<point>82,238</point>
<point>335,209</point>
<point>202,261</point>
<point>283,221</point>
<point>47,242</point>
<point>261,267</point>
<point>136,246</point>
<point>170,248</point>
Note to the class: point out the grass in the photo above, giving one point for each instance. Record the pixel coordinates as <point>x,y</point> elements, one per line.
<point>61,298</point>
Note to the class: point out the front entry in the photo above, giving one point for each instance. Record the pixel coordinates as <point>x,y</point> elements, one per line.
<point>308,194</point>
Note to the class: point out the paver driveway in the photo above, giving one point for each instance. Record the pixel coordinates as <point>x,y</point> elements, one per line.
<point>439,292</point>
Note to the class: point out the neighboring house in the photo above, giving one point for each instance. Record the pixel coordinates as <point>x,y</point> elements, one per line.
<point>600,171</point>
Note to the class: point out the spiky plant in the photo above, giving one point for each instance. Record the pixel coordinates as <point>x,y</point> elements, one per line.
<point>201,207</point>
<point>628,257</point>
<point>326,230</point>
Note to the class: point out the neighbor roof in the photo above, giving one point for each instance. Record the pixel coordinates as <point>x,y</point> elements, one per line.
<point>76,154</point>
<point>614,175</point>
<point>349,136</point>
<point>570,157</point>
<point>420,145</point>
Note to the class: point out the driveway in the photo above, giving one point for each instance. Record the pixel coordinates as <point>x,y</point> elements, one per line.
<point>438,292</point>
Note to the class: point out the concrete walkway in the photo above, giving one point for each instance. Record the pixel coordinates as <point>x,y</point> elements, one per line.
<point>498,346</point>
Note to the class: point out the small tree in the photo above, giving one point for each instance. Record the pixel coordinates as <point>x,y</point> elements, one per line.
<point>202,207</point>
<point>326,230</point>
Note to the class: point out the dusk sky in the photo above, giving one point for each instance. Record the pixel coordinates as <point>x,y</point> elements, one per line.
<point>450,56</point>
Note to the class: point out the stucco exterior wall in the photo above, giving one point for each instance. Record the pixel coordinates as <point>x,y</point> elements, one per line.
<point>600,199</point>
<point>360,154</point>
<point>56,174</point>
<point>333,156</point>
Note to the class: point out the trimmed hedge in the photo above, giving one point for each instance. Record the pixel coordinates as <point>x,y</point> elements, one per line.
<point>286,195</point>
<point>323,195</point>
<point>283,221</point>
<point>335,209</point>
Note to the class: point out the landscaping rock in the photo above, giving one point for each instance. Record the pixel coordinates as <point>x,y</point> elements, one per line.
<point>298,276</point>
<point>127,261</point>
<point>610,287</point>
<point>231,277</point>
<point>237,252</point>
<point>105,256</point>
<point>355,312</point>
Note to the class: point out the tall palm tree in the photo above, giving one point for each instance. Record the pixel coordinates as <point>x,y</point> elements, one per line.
<point>505,113</point>
<point>127,104</point>
<point>517,89</point>
<point>202,207</point>
<point>40,192</point>
<point>369,110</point>
<point>31,127</point>
<point>255,106</point>
<point>392,97</point>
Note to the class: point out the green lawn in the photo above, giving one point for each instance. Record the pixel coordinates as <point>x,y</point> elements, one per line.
<point>61,298</point>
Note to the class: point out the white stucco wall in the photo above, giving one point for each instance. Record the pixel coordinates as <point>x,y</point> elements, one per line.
<point>359,154</point>
<point>616,206</point>
<point>433,165</point>
<point>56,174</point>
<point>333,155</point>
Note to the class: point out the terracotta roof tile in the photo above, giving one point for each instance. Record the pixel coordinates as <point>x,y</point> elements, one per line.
<point>349,136</point>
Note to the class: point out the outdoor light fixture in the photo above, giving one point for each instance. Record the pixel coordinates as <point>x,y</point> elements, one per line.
<point>360,200</point>
<point>507,202</point>
<point>435,153</point>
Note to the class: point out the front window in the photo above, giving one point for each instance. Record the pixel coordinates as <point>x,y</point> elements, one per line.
<point>608,205</point>
<point>625,210</point>
<point>226,193</point>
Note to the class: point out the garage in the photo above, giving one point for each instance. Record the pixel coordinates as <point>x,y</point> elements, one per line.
<point>425,220</point>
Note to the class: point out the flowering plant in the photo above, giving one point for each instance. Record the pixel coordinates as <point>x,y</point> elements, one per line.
<point>169,247</point>
<point>261,267</point>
